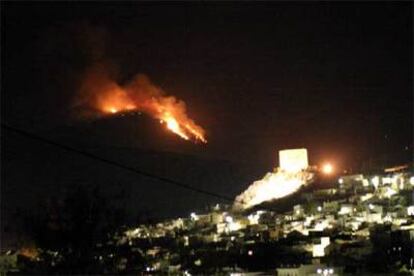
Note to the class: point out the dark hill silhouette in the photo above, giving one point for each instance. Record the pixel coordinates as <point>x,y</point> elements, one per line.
<point>33,172</point>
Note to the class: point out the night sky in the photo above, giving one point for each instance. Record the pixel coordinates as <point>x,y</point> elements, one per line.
<point>335,78</point>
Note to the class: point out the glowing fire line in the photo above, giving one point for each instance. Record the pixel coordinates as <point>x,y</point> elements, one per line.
<point>167,110</point>
<point>173,125</point>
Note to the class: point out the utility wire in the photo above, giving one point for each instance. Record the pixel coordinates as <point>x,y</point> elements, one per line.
<point>112,162</point>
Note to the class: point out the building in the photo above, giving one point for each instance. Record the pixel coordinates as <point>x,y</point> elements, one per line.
<point>293,160</point>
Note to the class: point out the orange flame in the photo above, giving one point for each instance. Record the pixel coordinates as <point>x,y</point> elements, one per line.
<point>174,126</point>
<point>140,95</point>
<point>114,101</point>
<point>30,252</point>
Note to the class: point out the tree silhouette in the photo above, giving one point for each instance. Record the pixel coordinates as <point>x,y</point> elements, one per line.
<point>72,225</point>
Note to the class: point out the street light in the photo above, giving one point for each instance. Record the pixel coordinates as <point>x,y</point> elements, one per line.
<point>327,168</point>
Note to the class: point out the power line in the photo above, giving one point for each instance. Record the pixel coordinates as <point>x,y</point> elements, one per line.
<point>112,162</point>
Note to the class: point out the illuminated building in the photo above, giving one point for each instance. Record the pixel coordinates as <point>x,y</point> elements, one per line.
<point>293,160</point>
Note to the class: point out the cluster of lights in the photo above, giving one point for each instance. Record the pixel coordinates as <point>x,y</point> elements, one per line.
<point>231,224</point>
<point>148,269</point>
<point>375,181</point>
<point>326,271</point>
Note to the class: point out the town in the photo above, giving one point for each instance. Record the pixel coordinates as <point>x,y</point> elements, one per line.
<point>343,224</point>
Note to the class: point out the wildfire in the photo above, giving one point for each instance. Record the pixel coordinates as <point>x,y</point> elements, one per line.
<point>114,101</point>
<point>30,252</point>
<point>110,98</point>
<point>173,125</point>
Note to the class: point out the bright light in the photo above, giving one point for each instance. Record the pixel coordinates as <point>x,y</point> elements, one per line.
<point>412,180</point>
<point>143,96</point>
<point>272,186</point>
<point>327,168</point>
<point>174,126</point>
<point>253,218</point>
<point>319,271</point>
<point>319,208</point>
<point>375,181</point>
<point>194,216</point>
<point>250,252</point>
<point>234,226</point>
<point>389,192</point>
<point>229,219</point>
<point>293,160</point>
<point>340,181</point>
<point>386,180</point>
<point>410,210</point>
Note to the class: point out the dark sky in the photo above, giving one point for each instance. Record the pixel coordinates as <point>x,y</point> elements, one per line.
<point>335,78</point>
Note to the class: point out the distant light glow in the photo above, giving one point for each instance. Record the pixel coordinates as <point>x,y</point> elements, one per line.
<point>327,168</point>
<point>194,216</point>
<point>386,180</point>
<point>254,218</point>
<point>410,210</point>
<point>234,226</point>
<point>375,181</point>
<point>389,192</point>
<point>229,219</point>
